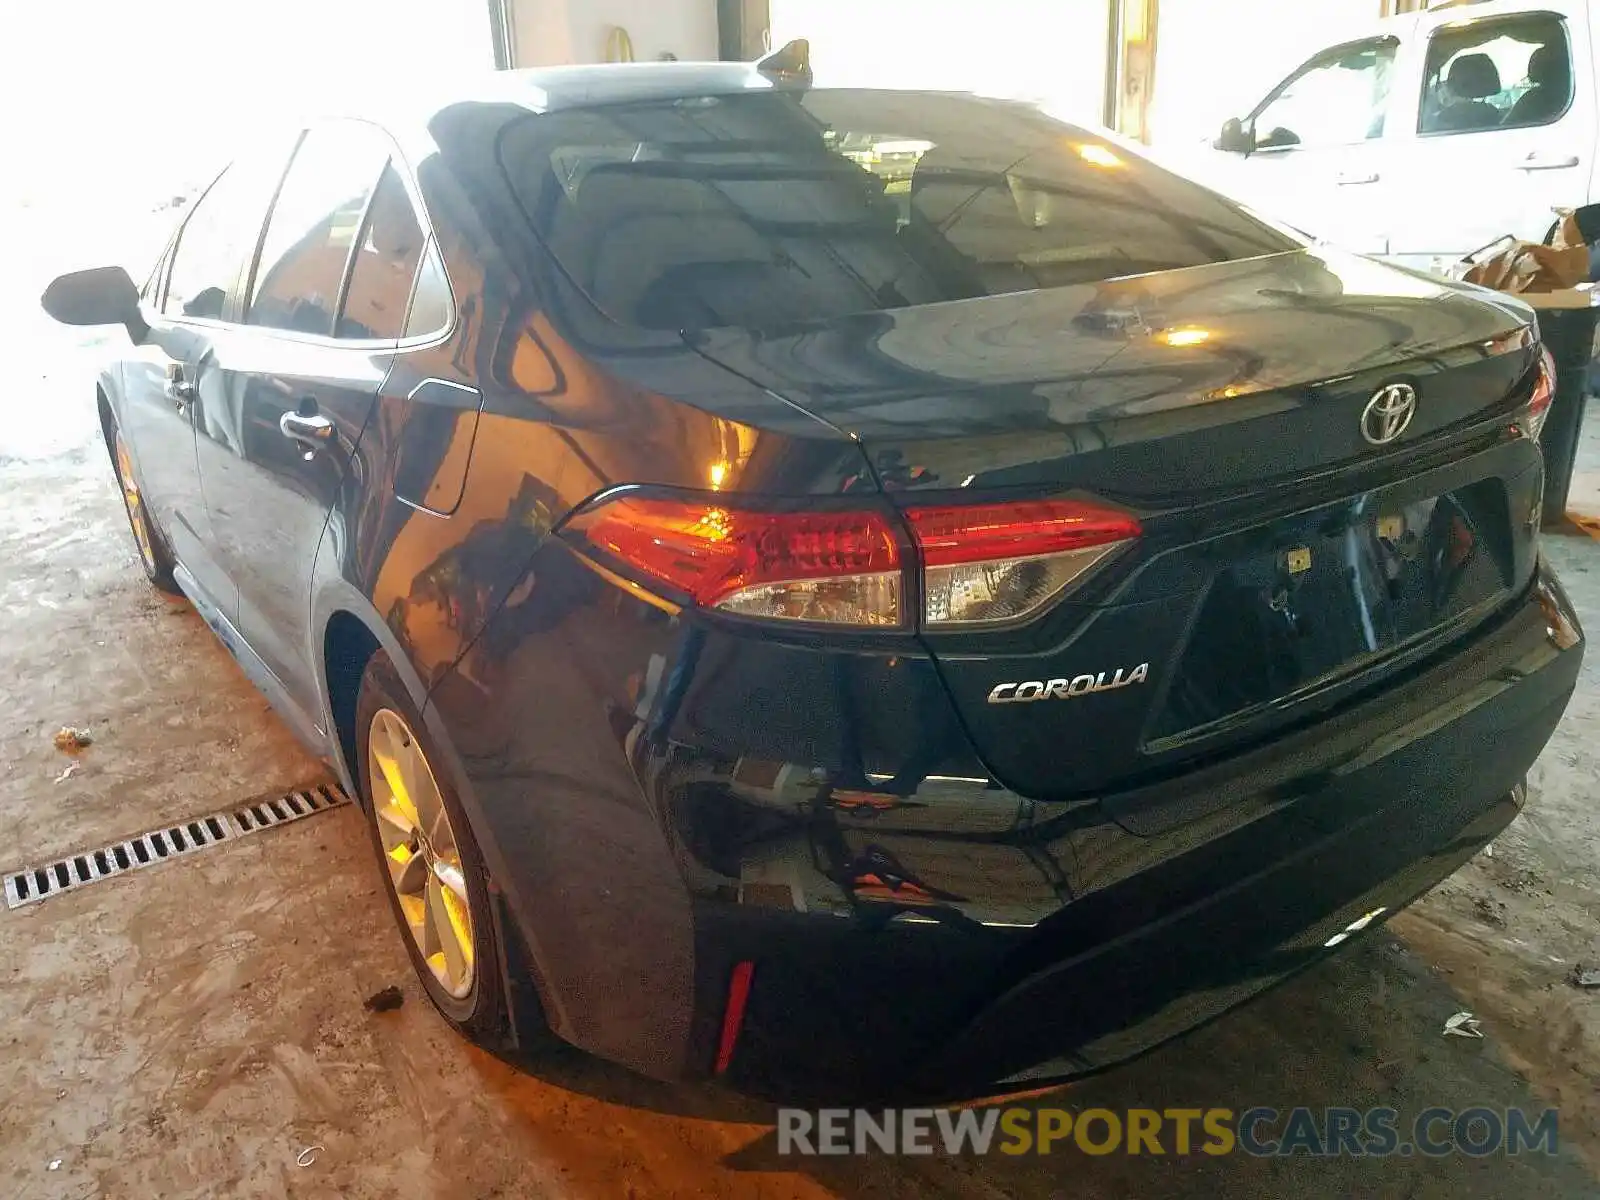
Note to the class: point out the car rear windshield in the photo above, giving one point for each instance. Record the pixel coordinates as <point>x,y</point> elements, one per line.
<point>766,209</point>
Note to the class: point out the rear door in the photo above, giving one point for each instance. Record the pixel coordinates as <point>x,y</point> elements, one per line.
<point>323,309</point>
<point>1499,136</point>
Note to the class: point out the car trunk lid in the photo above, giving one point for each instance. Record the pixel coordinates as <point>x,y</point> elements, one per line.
<point>1233,374</point>
<point>1294,547</point>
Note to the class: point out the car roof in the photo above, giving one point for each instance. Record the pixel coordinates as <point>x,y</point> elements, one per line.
<point>552,89</point>
<point>473,108</point>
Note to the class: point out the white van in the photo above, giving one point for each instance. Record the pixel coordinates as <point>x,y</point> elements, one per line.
<point>1433,135</point>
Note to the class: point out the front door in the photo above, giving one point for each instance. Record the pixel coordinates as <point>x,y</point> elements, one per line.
<point>1321,158</point>
<point>297,379</point>
<point>156,425</point>
<point>1498,136</point>
<point>161,403</point>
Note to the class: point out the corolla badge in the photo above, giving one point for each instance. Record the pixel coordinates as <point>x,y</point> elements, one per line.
<point>1388,413</point>
<point>1067,689</point>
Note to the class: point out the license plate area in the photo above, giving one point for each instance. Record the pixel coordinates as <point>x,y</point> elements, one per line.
<point>1317,596</point>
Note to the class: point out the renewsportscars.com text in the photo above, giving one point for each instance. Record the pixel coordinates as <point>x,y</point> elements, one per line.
<point>1258,1131</point>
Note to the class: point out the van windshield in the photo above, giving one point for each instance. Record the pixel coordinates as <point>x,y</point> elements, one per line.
<point>767,209</point>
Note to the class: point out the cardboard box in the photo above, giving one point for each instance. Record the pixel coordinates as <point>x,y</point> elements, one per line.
<point>1530,267</point>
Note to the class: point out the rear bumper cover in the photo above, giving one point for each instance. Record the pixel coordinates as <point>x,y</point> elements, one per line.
<point>654,816</point>
<point>1344,823</point>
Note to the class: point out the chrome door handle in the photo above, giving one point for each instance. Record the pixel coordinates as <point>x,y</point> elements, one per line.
<point>1354,180</point>
<point>1538,162</point>
<point>178,388</point>
<point>309,430</point>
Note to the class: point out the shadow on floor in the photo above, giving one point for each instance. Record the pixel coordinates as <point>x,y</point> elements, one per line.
<point>1362,1031</point>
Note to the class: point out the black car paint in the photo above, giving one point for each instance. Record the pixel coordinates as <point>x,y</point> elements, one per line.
<point>660,793</point>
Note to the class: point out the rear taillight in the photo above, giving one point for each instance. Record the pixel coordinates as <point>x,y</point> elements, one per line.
<point>980,564</point>
<point>999,562</point>
<point>1544,394</point>
<point>831,567</point>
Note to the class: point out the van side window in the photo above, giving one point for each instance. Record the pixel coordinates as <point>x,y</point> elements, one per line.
<point>1498,73</point>
<point>1340,96</point>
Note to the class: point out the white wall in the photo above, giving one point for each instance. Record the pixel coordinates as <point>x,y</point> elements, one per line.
<point>154,94</point>
<point>552,32</point>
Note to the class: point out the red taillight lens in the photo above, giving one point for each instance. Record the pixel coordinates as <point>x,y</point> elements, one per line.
<point>1000,562</point>
<point>1544,394</point>
<point>965,533</point>
<point>834,567</point>
<point>981,563</point>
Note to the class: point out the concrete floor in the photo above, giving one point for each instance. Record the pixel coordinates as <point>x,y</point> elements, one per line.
<point>189,1029</point>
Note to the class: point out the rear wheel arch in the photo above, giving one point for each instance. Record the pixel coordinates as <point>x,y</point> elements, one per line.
<point>351,635</point>
<point>347,631</point>
<point>347,646</point>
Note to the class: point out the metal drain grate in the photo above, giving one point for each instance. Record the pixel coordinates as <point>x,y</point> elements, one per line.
<point>290,807</point>
<point>32,884</point>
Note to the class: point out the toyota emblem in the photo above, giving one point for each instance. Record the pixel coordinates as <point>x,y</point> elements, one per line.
<point>1388,413</point>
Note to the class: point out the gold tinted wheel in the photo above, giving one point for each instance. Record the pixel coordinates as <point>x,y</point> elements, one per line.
<point>420,852</point>
<point>438,885</point>
<point>134,503</point>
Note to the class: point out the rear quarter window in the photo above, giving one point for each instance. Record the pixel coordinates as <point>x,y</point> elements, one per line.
<point>384,264</point>
<point>768,209</point>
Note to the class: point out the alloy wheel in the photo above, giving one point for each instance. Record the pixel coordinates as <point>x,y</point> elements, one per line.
<point>420,851</point>
<point>134,503</point>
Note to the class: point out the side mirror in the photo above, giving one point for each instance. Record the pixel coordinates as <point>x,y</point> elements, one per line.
<point>1235,138</point>
<point>98,296</point>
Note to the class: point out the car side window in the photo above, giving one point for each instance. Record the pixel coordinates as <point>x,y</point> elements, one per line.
<point>217,238</point>
<point>431,306</point>
<point>385,264</point>
<point>150,293</point>
<point>1498,73</point>
<point>313,225</point>
<point>1339,97</point>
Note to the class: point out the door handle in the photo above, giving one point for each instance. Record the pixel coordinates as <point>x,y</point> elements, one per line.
<point>1354,179</point>
<point>1541,162</point>
<point>178,388</point>
<point>307,428</point>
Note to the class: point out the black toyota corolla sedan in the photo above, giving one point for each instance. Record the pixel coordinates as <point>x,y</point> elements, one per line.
<point>842,588</point>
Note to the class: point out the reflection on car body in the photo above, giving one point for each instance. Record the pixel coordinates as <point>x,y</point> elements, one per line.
<point>662,493</point>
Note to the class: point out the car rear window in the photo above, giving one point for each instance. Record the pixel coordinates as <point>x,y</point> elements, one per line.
<point>765,209</point>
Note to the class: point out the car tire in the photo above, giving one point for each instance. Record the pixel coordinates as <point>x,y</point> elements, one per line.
<point>426,904</point>
<point>155,554</point>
